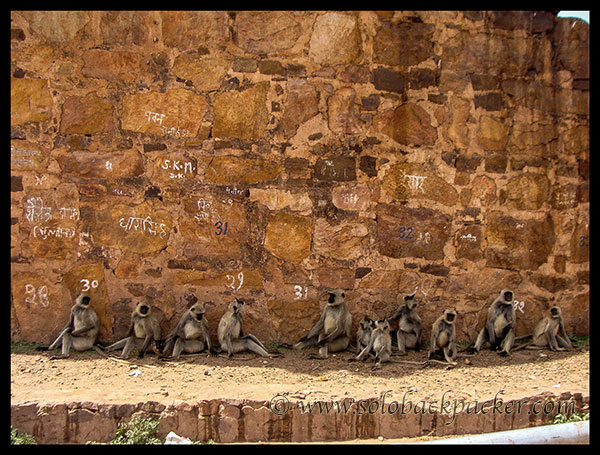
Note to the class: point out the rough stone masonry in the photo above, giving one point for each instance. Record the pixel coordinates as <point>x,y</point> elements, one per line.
<point>275,155</point>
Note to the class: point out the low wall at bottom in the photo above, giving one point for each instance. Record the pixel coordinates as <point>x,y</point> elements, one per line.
<point>290,420</point>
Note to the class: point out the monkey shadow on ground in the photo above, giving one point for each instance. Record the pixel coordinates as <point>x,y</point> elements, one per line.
<point>299,362</point>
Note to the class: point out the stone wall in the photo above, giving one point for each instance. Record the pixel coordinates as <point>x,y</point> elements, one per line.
<point>276,155</point>
<point>229,420</point>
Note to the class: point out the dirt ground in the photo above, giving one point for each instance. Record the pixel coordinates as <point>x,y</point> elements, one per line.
<point>88,376</point>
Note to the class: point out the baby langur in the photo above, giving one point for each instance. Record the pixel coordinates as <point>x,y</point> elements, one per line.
<point>550,333</point>
<point>409,325</point>
<point>442,336</point>
<point>380,344</point>
<point>332,331</point>
<point>190,335</point>
<point>143,330</point>
<point>231,336</point>
<point>80,332</point>
<point>499,329</point>
<point>363,333</point>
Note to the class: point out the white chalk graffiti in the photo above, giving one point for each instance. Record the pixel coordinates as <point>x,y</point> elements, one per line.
<point>415,182</point>
<point>143,225</point>
<point>235,191</point>
<point>154,117</point>
<point>232,278</point>
<point>300,292</point>
<point>53,231</point>
<point>179,169</point>
<point>87,285</point>
<point>207,211</point>
<point>108,166</point>
<point>35,210</point>
<point>40,180</point>
<point>469,237</point>
<point>350,198</point>
<point>519,305</point>
<point>70,213</point>
<point>177,133</point>
<point>42,295</point>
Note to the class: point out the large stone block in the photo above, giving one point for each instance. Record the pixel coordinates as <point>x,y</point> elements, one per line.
<point>408,124</point>
<point>288,236</point>
<point>144,228</point>
<point>176,113</point>
<point>412,232</point>
<point>205,72</point>
<point>86,115</point>
<point>192,29</point>
<point>403,44</point>
<point>241,114</point>
<point>233,170</point>
<point>528,191</point>
<point>343,115</point>
<point>41,306</point>
<point>335,39</point>
<point>406,181</point>
<point>301,104</point>
<point>261,32</point>
<point>57,26</point>
<point>344,241</point>
<point>517,244</point>
<point>30,101</point>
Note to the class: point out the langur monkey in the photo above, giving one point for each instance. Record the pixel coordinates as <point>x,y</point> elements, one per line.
<point>409,325</point>
<point>550,332</point>
<point>363,333</point>
<point>332,331</point>
<point>231,336</point>
<point>80,332</point>
<point>144,329</point>
<point>380,344</point>
<point>442,336</point>
<point>499,329</point>
<point>190,335</point>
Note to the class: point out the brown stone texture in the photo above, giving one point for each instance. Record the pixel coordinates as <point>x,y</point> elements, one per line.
<point>249,152</point>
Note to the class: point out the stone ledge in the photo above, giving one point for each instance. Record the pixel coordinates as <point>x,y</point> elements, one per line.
<point>286,419</point>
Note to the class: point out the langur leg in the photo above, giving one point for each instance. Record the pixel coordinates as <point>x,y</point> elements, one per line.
<point>116,346</point>
<point>563,343</point>
<point>130,344</point>
<point>81,344</point>
<point>507,344</point>
<point>66,347</point>
<point>481,338</point>
<point>401,342</point>
<point>339,344</point>
<point>58,340</point>
<point>253,338</point>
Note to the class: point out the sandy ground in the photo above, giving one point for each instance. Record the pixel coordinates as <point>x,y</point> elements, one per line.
<point>88,376</point>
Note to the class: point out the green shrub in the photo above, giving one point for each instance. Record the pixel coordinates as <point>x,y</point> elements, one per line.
<point>138,431</point>
<point>21,438</point>
<point>560,418</point>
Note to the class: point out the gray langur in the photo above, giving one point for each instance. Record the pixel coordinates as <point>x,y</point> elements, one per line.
<point>231,336</point>
<point>363,333</point>
<point>550,332</point>
<point>143,329</point>
<point>409,325</point>
<point>332,332</point>
<point>191,334</point>
<point>442,337</point>
<point>80,332</point>
<point>499,329</point>
<point>380,344</point>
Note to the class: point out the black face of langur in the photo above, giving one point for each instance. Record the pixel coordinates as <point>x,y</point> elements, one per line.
<point>450,316</point>
<point>336,297</point>
<point>507,296</point>
<point>410,302</point>
<point>555,312</point>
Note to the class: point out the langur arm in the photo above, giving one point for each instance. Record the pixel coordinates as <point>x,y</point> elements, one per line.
<point>565,337</point>
<point>316,328</point>
<point>147,341</point>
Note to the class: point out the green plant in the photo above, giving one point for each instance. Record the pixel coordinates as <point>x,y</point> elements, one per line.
<point>17,438</point>
<point>138,431</point>
<point>560,418</point>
